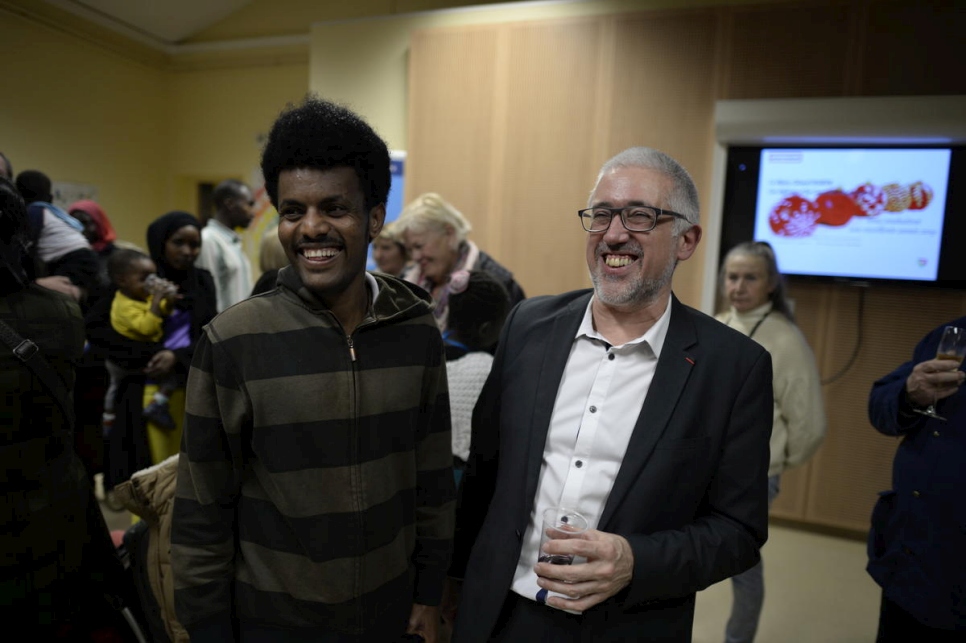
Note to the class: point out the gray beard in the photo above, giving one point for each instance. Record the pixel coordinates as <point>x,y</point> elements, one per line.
<point>638,291</point>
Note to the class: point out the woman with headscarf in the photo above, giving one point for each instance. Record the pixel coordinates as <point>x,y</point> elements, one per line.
<point>435,234</point>
<point>101,235</point>
<point>174,242</point>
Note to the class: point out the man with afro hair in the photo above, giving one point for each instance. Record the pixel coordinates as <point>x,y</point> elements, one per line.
<point>315,493</point>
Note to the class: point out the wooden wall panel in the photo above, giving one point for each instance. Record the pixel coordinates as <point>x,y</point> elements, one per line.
<point>790,51</point>
<point>549,165</point>
<point>855,462</point>
<point>453,98</point>
<point>914,49</point>
<point>662,95</point>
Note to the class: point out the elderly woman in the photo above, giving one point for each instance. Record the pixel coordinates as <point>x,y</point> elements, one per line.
<point>389,251</point>
<point>435,234</point>
<point>755,294</point>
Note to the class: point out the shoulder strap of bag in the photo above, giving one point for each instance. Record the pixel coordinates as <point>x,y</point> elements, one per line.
<point>29,354</point>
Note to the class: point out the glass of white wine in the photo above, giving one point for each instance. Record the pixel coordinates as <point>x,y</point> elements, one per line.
<point>952,346</point>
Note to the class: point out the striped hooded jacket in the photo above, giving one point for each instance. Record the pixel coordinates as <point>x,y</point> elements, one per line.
<point>315,486</point>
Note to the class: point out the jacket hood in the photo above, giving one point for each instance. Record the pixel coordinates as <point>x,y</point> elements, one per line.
<point>149,490</point>
<point>395,300</point>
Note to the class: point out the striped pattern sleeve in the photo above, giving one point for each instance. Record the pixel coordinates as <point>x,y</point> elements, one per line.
<point>209,479</point>
<point>435,486</point>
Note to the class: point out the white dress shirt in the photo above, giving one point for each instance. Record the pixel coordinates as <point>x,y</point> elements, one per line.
<point>224,257</point>
<point>597,406</point>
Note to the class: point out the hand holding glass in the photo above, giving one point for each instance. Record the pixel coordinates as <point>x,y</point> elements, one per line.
<point>952,346</point>
<point>559,523</point>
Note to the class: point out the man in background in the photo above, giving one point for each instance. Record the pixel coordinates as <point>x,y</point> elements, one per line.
<point>917,544</point>
<point>222,252</point>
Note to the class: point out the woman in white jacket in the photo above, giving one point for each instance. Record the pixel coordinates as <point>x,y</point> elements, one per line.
<point>755,293</point>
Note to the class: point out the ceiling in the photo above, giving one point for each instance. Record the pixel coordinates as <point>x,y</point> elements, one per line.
<point>156,22</point>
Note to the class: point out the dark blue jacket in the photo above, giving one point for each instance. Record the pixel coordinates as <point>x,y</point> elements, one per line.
<point>917,544</point>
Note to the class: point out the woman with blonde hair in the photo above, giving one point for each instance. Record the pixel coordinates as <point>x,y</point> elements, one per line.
<point>436,235</point>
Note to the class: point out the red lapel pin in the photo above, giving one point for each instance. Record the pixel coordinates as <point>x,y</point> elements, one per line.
<point>689,360</point>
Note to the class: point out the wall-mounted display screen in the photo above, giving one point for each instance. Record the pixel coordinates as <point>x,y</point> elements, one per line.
<point>891,214</point>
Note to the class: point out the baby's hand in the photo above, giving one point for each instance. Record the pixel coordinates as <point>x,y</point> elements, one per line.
<point>169,291</point>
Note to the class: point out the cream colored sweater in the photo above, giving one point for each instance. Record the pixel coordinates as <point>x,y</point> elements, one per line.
<point>799,418</point>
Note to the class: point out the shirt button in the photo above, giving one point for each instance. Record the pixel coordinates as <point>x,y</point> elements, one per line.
<point>593,409</point>
<point>610,356</point>
<point>935,434</point>
<point>915,494</point>
<point>578,463</point>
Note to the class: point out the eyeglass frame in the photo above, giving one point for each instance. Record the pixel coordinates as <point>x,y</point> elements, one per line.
<point>659,212</point>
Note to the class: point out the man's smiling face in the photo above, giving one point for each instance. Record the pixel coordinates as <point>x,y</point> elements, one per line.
<point>632,268</point>
<point>325,229</point>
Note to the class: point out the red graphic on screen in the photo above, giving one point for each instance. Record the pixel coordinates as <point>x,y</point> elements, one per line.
<point>835,208</point>
<point>920,195</point>
<point>793,217</point>
<point>796,216</point>
<point>870,198</point>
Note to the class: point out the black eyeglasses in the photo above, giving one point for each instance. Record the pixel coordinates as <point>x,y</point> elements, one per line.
<point>636,218</point>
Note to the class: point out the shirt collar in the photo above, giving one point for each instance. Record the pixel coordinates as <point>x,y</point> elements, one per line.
<point>653,338</point>
<point>220,227</point>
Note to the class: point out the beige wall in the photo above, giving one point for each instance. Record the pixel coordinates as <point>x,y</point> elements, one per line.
<point>143,133</point>
<point>218,118</point>
<point>82,114</point>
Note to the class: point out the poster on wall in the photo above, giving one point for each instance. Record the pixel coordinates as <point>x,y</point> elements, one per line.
<point>65,193</point>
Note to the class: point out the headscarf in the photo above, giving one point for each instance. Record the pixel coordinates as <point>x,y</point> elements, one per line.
<point>162,229</point>
<point>105,231</point>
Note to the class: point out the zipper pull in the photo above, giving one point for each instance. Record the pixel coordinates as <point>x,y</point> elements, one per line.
<point>352,349</point>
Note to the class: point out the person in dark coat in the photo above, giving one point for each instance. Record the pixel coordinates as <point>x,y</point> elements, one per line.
<point>53,537</point>
<point>917,544</point>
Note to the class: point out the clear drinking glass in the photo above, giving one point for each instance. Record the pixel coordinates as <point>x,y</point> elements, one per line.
<point>952,346</point>
<point>559,523</point>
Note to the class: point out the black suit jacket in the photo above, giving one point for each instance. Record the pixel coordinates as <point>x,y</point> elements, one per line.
<point>691,493</point>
